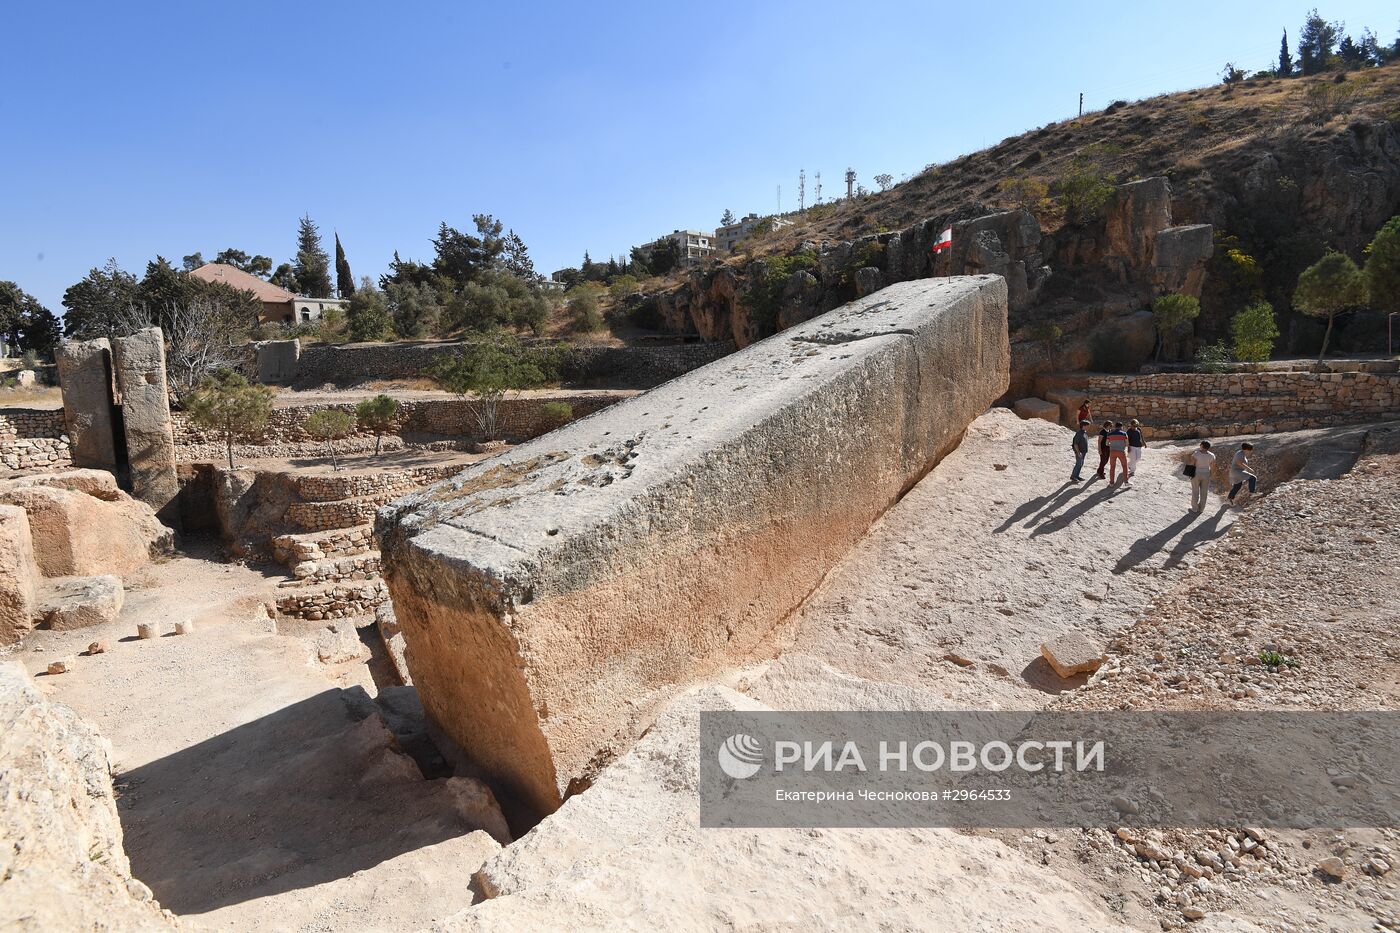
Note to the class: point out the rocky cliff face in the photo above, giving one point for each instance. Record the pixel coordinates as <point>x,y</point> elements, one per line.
<point>1258,171</point>
<point>1132,255</point>
<point>62,866</point>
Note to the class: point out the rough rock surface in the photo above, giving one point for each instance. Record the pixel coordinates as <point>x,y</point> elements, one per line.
<point>85,374</point>
<point>61,866</point>
<point>83,525</point>
<point>139,361</point>
<point>1139,211</point>
<point>1072,653</point>
<point>551,600</point>
<point>80,602</point>
<point>17,575</point>
<point>389,631</point>
<point>604,862</point>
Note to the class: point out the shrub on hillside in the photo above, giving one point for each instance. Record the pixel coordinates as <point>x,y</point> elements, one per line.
<point>377,415</point>
<point>1253,332</point>
<point>1213,358</point>
<point>1171,312</point>
<point>1084,191</point>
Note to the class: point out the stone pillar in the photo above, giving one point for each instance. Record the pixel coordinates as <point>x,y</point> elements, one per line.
<point>85,374</point>
<point>139,361</point>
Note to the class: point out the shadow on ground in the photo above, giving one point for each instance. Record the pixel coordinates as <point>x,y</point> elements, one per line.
<point>314,792</point>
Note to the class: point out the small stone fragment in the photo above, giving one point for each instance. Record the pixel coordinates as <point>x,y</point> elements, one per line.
<point>97,647</point>
<point>148,630</point>
<point>61,666</point>
<point>1193,913</point>
<point>1072,653</point>
<point>185,627</point>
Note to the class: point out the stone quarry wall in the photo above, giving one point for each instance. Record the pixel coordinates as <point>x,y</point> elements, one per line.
<point>517,419</point>
<point>33,439</point>
<point>1210,404</point>
<point>632,367</point>
<point>551,597</point>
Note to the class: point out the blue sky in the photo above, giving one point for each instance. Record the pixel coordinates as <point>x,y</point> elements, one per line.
<point>132,129</point>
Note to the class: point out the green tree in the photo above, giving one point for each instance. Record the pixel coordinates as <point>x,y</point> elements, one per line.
<point>333,327</point>
<point>368,314</point>
<point>1170,312</point>
<point>415,309</point>
<point>1285,58</point>
<point>1317,44</point>
<point>1253,332</point>
<point>344,280</point>
<point>1231,74</point>
<point>485,370</point>
<point>285,277</point>
<point>665,255</point>
<point>464,257</point>
<point>1383,267</point>
<point>377,416</point>
<point>261,266</point>
<point>1327,288</point>
<point>25,323</point>
<point>496,299</point>
<point>225,402</point>
<point>312,265</point>
<point>327,425</point>
<point>582,303</point>
<point>727,218</point>
<point>94,306</point>
<point>884,180</point>
<point>192,262</point>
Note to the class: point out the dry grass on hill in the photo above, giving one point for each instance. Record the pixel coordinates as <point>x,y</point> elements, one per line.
<point>1178,135</point>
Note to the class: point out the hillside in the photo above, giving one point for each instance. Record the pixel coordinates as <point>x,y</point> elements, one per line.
<point>1281,169</point>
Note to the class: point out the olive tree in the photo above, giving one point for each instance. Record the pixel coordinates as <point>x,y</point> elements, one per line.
<point>485,370</point>
<point>377,415</point>
<point>327,425</point>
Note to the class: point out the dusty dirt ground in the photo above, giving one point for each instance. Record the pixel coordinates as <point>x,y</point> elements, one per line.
<point>258,787</point>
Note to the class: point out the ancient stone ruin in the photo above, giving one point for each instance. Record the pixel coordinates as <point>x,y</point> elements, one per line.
<point>552,597</point>
<point>117,407</point>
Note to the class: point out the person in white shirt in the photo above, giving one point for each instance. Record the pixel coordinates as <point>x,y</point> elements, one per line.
<point>1202,459</point>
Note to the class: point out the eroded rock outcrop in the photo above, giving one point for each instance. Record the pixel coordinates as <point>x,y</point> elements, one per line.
<point>551,597</point>
<point>83,525</point>
<point>62,866</point>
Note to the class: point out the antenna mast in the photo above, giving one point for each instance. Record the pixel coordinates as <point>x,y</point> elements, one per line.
<point>850,183</point>
<point>801,190</point>
<point>819,187</point>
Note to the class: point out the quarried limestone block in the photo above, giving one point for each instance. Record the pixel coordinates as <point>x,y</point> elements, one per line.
<point>85,375</point>
<point>552,597</point>
<point>139,361</point>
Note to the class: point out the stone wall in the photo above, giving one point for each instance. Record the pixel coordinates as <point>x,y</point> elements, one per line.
<point>1191,404</point>
<point>631,367</point>
<point>517,419</point>
<point>339,602</point>
<point>33,439</point>
<point>552,596</point>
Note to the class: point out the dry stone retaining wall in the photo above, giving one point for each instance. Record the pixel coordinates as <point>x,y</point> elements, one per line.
<point>33,439</point>
<point>338,602</point>
<point>1187,404</point>
<point>517,418</point>
<point>632,367</point>
<point>552,596</point>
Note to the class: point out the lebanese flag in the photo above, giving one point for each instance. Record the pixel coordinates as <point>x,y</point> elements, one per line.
<point>945,241</point>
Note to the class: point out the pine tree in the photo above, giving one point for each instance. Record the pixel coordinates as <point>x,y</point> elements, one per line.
<point>727,219</point>
<point>312,266</point>
<point>344,281</point>
<point>1285,57</point>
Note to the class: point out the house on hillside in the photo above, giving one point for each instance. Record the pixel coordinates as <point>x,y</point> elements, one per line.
<point>695,246</point>
<point>730,235</point>
<point>279,306</point>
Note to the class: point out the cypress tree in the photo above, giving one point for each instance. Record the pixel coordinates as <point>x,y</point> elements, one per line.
<point>344,281</point>
<point>1285,58</point>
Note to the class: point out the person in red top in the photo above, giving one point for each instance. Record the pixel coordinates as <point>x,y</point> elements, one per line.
<point>1084,411</point>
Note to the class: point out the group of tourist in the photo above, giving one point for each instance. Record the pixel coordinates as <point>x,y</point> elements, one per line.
<point>1120,446</point>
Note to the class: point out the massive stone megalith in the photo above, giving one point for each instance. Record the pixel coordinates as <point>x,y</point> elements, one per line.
<point>139,361</point>
<point>553,596</point>
<point>85,374</point>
